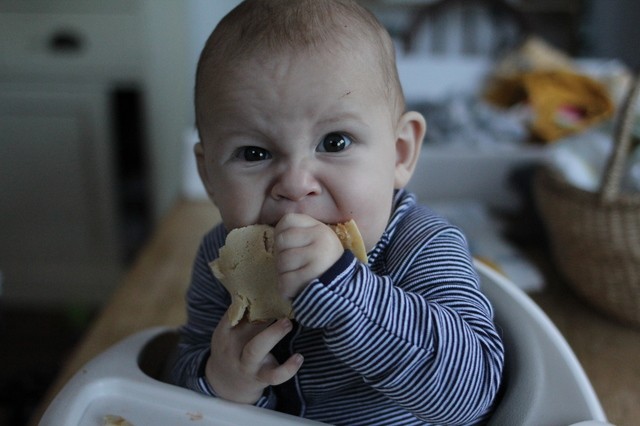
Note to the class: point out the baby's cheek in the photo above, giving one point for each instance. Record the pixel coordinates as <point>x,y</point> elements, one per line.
<point>365,195</point>
<point>237,212</point>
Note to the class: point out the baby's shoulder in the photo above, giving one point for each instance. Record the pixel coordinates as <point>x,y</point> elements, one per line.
<point>212,241</point>
<point>420,222</point>
<point>422,237</point>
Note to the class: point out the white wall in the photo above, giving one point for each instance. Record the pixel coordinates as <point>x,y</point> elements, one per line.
<point>165,96</point>
<point>175,33</point>
<point>202,16</point>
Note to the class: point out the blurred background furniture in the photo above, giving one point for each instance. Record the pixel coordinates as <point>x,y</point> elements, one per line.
<point>560,22</point>
<point>485,28</point>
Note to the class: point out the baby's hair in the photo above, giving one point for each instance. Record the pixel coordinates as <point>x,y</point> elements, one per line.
<point>297,25</point>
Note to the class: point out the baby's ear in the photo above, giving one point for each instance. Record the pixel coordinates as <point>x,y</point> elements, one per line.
<point>411,129</point>
<point>198,150</point>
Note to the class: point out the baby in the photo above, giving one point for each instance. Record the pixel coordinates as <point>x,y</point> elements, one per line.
<point>302,124</point>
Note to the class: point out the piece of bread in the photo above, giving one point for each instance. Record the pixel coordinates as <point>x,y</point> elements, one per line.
<point>246,267</point>
<point>350,237</point>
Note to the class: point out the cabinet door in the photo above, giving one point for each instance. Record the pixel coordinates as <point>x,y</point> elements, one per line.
<point>58,221</point>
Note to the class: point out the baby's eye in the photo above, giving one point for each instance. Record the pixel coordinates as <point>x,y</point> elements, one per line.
<point>334,142</point>
<point>253,153</point>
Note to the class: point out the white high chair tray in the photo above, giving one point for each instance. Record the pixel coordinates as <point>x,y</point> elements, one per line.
<point>544,382</point>
<point>113,384</point>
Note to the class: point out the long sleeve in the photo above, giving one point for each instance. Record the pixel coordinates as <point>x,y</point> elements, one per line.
<point>421,333</point>
<point>207,301</point>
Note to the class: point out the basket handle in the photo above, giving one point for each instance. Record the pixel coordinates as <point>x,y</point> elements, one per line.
<point>610,187</point>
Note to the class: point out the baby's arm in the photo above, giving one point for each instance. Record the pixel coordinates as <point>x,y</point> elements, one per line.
<point>436,350</point>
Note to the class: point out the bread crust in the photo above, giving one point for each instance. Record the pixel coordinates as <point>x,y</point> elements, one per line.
<point>246,267</point>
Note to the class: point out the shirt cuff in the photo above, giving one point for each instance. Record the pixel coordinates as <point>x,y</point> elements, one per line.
<point>267,400</point>
<point>321,303</point>
<point>338,268</point>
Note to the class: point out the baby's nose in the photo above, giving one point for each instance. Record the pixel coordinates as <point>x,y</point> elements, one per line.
<point>295,183</point>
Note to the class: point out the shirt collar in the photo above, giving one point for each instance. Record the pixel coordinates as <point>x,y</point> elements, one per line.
<point>402,201</point>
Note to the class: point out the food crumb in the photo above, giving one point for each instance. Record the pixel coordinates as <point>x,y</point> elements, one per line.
<point>110,420</point>
<point>195,416</point>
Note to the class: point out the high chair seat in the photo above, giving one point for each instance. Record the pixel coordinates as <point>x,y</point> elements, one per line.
<point>544,382</point>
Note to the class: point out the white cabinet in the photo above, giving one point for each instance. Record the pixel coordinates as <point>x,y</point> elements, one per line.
<point>62,63</point>
<point>59,239</point>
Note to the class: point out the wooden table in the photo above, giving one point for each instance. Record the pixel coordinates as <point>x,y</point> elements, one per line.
<point>152,293</point>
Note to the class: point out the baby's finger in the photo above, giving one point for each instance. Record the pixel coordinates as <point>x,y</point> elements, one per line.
<point>296,220</point>
<point>257,349</point>
<point>294,259</point>
<point>243,330</point>
<point>276,375</point>
<point>291,283</point>
<point>225,320</point>
<point>292,237</point>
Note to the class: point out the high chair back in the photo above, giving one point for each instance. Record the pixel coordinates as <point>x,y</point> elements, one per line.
<point>544,383</point>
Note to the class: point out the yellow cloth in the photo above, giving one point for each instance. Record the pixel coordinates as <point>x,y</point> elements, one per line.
<point>562,102</point>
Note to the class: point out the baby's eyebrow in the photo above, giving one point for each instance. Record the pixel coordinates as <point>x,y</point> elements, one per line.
<point>341,117</point>
<point>347,93</point>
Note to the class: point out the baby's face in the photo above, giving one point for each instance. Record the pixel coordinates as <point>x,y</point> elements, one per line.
<point>311,134</point>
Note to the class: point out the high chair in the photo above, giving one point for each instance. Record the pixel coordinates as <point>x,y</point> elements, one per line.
<point>544,383</point>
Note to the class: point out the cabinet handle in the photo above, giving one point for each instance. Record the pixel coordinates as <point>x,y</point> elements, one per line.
<point>66,41</point>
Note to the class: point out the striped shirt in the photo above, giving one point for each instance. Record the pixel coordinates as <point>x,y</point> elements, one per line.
<point>407,339</point>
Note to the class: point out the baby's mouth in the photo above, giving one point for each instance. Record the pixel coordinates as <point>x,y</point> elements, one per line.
<point>273,217</point>
<point>326,222</point>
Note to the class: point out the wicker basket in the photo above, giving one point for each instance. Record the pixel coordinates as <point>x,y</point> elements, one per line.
<point>595,237</point>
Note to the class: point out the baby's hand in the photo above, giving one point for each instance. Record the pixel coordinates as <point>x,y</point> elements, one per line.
<point>241,366</point>
<point>305,248</point>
